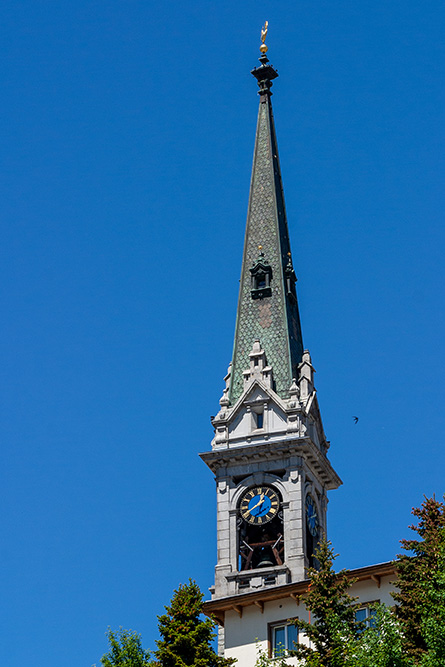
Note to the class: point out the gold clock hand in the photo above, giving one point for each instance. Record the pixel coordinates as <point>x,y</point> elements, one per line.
<point>261,500</point>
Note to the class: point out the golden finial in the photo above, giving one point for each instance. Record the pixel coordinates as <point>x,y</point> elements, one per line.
<point>260,247</point>
<point>263,47</point>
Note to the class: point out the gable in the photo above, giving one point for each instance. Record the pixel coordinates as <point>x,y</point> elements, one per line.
<point>244,421</point>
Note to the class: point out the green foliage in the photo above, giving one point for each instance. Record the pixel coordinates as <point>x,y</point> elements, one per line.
<point>412,634</point>
<point>263,659</point>
<point>382,644</point>
<point>333,629</point>
<point>186,637</point>
<point>433,602</point>
<point>125,650</point>
<point>433,623</point>
<point>421,583</point>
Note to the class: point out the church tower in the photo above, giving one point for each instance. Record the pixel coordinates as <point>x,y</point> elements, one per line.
<point>269,453</point>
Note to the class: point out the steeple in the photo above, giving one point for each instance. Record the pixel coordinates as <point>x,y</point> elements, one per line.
<point>269,451</point>
<point>267,304</point>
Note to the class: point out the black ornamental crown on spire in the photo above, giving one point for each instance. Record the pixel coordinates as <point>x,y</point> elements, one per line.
<point>267,305</point>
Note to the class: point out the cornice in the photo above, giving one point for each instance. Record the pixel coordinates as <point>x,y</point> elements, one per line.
<point>217,608</point>
<point>245,454</point>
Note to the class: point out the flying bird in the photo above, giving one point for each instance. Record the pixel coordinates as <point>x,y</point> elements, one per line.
<point>355,419</point>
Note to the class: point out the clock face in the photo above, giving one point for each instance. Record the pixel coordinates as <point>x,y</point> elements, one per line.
<point>311,516</point>
<point>259,505</point>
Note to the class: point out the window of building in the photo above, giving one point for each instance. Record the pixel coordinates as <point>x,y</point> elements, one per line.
<point>257,418</point>
<point>366,614</point>
<point>284,637</point>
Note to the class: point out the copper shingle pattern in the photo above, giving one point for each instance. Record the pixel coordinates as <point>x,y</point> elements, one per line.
<point>273,320</point>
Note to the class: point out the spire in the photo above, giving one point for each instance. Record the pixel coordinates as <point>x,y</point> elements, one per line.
<point>267,305</point>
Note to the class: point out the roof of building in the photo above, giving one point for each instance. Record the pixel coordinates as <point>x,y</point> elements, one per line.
<point>217,608</point>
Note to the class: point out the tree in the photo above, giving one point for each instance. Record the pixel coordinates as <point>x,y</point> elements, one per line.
<point>185,637</point>
<point>433,616</point>
<point>421,584</point>
<point>333,630</point>
<point>381,644</point>
<point>125,650</point>
<point>263,659</point>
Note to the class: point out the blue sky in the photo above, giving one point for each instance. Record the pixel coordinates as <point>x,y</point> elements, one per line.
<point>127,139</point>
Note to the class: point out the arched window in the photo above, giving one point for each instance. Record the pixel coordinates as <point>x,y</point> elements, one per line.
<point>260,528</point>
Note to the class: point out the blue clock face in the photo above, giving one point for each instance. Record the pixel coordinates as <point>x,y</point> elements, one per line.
<point>311,516</point>
<point>259,505</point>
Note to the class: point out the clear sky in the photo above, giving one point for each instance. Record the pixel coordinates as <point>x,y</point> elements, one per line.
<point>127,139</point>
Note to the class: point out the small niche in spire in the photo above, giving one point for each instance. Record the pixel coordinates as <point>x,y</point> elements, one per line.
<point>291,278</point>
<point>261,273</point>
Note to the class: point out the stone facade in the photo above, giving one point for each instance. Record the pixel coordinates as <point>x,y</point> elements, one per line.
<point>288,453</point>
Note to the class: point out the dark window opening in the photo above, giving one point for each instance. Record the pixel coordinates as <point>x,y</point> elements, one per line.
<point>261,545</point>
<point>260,281</point>
<point>261,277</point>
<point>311,546</point>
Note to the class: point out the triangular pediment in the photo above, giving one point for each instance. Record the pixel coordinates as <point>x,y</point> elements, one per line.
<point>258,411</point>
<point>256,392</point>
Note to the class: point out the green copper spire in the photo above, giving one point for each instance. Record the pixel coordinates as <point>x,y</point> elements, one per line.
<point>267,305</point>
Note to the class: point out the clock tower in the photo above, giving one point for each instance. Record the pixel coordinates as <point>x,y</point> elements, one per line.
<point>269,454</point>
